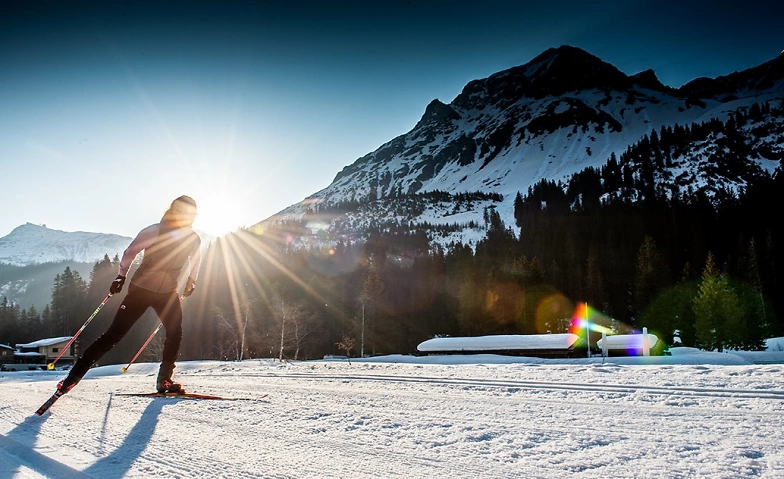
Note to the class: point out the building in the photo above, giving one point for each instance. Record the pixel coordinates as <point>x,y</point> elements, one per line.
<point>565,345</point>
<point>44,351</point>
<point>633,345</point>
<point>6,354</point>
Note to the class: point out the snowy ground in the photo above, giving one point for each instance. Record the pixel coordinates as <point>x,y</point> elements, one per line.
<point>690,415</point>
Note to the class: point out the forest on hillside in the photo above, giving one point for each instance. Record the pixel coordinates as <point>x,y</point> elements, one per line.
<point>697,267</point>
<point>679,267</point>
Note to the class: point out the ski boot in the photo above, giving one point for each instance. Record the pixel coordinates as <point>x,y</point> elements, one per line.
<point>164,384</point>
<point>167,386</point>
<point>62,388</point>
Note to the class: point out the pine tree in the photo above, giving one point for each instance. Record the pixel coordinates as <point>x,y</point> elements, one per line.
<point>719,318</point>
<point>68,302</point>
<point>9,322</point>
<point>369,299</point>
<point>647,280</point>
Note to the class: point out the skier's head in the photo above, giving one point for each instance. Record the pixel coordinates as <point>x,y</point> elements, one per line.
<point>181,213</point>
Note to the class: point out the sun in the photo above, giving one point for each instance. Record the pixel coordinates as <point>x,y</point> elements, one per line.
<point>219,214</point>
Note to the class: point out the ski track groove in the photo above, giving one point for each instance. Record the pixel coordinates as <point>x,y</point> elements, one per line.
<point>664,411</point>
<point>603,388</point>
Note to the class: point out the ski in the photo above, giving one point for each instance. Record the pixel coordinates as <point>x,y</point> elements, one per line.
<point>45,406</point>
<point>192,396</point>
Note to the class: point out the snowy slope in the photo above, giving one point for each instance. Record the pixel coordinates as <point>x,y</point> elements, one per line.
<point>33,244</point>
<point>690,415</point>
<point>564,111</point>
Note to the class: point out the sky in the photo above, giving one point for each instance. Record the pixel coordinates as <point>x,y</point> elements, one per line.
<point>692,414</point>
<point>111,109</point>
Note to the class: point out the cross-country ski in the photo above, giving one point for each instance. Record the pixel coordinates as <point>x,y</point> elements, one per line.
<point>186,395</point>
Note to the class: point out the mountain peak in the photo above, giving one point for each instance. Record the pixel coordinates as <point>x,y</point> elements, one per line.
<point>438,113</point>
<point>648,79</point>
<point>554,72</point>
<point>31,243</point>
<point>566,68</point>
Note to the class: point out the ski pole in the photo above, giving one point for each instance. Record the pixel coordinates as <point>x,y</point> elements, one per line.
<point>50,366</point>
<point>146,343</point>
<point>143,346</point>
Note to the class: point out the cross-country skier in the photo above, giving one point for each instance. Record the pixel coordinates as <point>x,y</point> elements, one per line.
<point>167,247</point>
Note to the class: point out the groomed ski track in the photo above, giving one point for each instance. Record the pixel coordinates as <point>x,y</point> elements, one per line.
<point>327,419</point>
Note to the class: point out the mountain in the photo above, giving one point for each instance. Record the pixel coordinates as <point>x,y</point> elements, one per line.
<point>32,255</point>
<point>34,244</point>
<point>561,113</point>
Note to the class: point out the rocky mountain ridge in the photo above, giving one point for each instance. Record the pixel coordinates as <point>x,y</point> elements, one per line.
<point>564,111</point>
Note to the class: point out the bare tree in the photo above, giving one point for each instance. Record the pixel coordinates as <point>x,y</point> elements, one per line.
<point>346,344</point>
<point>228,344</point>
<point>287,313</point>
<point>303,327</point>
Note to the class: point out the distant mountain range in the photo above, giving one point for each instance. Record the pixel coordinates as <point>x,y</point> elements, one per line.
<point>34,244</point>
<point>32,255</point>
<point>564,111</point>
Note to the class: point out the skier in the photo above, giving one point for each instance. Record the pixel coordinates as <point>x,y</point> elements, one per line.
<point>167,246</point>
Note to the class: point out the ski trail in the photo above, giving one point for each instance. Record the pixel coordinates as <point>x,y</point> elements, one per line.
<point>602,388</point>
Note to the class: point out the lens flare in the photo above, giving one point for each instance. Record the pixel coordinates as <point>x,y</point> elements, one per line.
<point>586,318</point>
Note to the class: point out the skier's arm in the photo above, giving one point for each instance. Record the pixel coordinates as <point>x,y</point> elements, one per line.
<point>143,240</point>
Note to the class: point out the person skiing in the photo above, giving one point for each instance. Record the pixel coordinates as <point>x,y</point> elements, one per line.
<point>167,247</point>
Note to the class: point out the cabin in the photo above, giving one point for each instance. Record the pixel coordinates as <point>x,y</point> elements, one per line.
<point>553,346</point>
<point>44,351</point>
<point>632,345</point>
<point>564,345</point>
<point>6,354</point>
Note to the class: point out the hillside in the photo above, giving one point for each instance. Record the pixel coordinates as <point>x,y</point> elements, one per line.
<point>561,113</point>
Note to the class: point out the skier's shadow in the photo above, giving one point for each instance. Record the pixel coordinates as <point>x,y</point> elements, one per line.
<point>18,444</point>
<point>119,462</point>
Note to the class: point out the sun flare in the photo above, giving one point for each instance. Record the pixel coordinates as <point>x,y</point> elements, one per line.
<point>219,214</point>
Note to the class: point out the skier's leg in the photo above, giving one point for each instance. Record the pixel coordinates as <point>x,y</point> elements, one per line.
<point>170,313</point>
<point>129,312</point>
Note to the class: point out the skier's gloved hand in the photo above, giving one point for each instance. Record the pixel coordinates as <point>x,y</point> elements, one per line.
<point>117,285</point>
<point>189,287</point>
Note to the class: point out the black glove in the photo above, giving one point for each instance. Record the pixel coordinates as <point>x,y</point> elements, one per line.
<point>189,287</point>
<point>117,285</point>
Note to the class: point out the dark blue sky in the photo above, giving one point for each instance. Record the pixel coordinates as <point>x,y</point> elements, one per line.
<point>251,106</point>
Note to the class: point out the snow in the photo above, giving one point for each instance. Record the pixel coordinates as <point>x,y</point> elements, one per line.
<point>35,244</point>
<point>627,341</point>
<point>45,342</point>
<point>500,342</point>
<point>692,414</point>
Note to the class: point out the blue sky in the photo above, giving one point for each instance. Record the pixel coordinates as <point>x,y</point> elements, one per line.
<point>109,110</point>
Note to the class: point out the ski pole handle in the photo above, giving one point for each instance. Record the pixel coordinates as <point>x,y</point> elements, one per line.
<point>50,366</point>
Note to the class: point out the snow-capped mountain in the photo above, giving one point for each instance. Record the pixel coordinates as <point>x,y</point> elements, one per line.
<point>33,244</point>
<point>564,111</point>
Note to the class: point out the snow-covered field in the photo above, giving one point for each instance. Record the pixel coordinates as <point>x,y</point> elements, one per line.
<point>694,414</point>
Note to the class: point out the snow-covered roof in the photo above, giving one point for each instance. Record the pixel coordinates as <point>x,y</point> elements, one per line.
<point>627,341</point>
<point>45,342</point>
<point>30,354</point>
<point>774,344</point>
<point>5,346</point>
<point>500,342</point>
